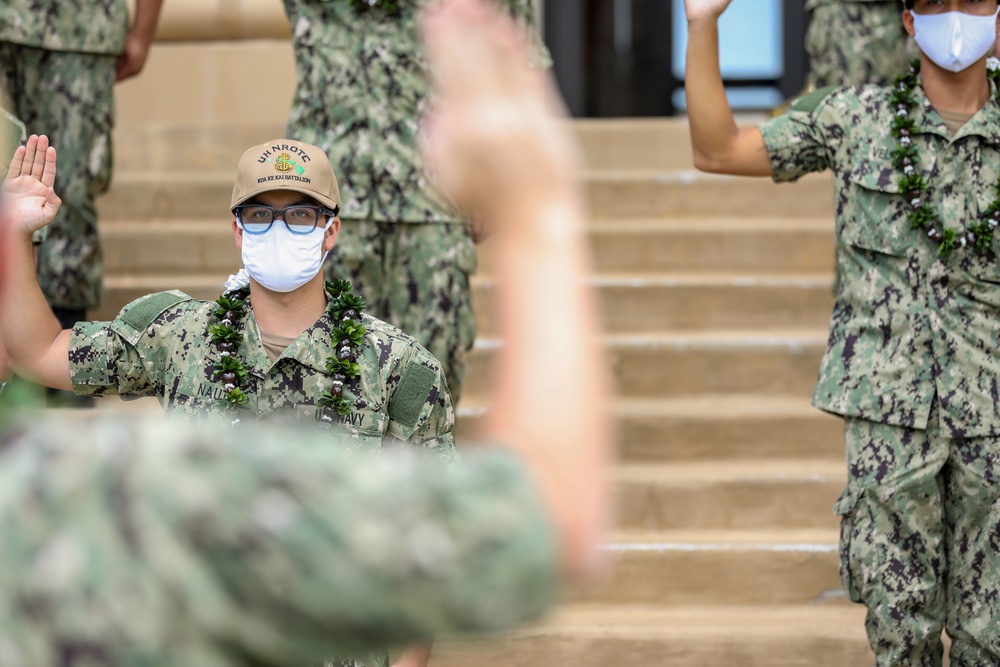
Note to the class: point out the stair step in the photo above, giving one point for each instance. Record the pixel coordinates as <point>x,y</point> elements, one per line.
<point>719,567</point>
<point>636,303</point>
<point>694,636</point>
<point>645,194</point>
<point>710,428</point>
<point>206,193</point>
<point>684,365</point>
<point>729,495</point>
<point>675,244</point>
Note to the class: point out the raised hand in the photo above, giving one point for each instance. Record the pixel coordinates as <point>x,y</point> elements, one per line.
<point>30,200</point>
<point>705,9</point>
<point>498,131</point>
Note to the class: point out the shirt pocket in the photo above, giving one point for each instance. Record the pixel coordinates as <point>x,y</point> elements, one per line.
<point>875,212</point>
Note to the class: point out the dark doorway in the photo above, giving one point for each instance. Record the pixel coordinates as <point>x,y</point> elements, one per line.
<point>615,57</point>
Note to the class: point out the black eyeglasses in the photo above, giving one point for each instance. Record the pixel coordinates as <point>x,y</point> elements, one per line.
<point>299,219</point>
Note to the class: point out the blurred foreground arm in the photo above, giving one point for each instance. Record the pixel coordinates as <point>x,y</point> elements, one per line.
<point>498,145</point>
<point>37,347</point>
<point>719,145</point>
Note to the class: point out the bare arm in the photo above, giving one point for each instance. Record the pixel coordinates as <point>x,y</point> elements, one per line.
<point>498,148</point>
<point>139,39</point>
<point>37,346</point>
<point>719,145</point>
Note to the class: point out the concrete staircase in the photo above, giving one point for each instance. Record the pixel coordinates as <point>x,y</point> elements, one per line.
<point>716,296</point>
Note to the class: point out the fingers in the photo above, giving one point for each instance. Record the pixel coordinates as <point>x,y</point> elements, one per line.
<point>48,177</point>
<point>15,163</point>
<point>38,158</point>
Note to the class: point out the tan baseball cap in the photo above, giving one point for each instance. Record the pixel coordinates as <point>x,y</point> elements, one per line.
<point>284,164</point>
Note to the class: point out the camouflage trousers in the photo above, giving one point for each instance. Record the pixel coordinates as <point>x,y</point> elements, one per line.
<point>416,277</point>
<point>69,97</point>
<point>920,534</point>
<point>852,43</point>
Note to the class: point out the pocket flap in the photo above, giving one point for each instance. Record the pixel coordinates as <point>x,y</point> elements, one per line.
<point>846,502</point>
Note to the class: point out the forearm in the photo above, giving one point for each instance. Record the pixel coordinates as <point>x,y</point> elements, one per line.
<point>556,418</point>
<point>27,326</point>
<point>147,14</point>
<point>713,128</point>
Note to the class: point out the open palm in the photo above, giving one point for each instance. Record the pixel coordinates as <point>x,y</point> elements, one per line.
<point>27,189</point>
<point>701,9</point>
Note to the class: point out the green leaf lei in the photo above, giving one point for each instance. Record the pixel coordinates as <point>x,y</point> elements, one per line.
<point>347,336</point>
<point>390,7</point>
<point>914,186</point>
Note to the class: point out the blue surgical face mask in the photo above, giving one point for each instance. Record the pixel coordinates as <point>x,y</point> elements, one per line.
<point>955,40</point>
<point>282,261</point>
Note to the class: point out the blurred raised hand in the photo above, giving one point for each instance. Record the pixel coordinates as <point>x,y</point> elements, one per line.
<point>498,128</point>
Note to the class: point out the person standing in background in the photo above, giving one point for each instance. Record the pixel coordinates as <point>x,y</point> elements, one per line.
<point>59,61</point>
<point>362,92</point>
<point>854,42</point>
<point>910,362</point>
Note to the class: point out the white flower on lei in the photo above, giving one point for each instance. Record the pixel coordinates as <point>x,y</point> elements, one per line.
<point>238,281</point>
<point>992,64</point>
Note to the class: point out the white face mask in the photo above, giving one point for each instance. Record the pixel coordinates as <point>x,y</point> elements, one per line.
<point>282,261</point>
<point>955,40</point>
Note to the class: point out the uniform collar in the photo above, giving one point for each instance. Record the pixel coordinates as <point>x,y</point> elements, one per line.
<point>986,122</point>
<point>311,348</point>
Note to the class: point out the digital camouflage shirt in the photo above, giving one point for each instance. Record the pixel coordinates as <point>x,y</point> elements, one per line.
<point>908,326</point>
<point>126,543</point>
<point>87,26</point>
<point>159,345</point>
<point>361,94</point>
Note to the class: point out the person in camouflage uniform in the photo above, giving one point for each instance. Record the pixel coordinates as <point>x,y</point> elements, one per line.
<point>129,543</point>
<point>361,94</point>
<point>853,42</point>
<point>59,60</point>
<point>167,344</point>
<point>910,363</point>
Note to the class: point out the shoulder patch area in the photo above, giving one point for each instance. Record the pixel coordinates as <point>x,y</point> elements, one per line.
<point>411,394</point>
<point>810,101</point>
<point>140,313</point>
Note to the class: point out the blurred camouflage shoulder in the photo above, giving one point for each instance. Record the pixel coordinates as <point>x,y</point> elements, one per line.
<point>223,547</point>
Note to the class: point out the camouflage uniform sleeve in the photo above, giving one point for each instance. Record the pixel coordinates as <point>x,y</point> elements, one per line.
<point>145,545</point>
<point>108,357</point>
<point>799,142</point>
<point>420,408</point>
